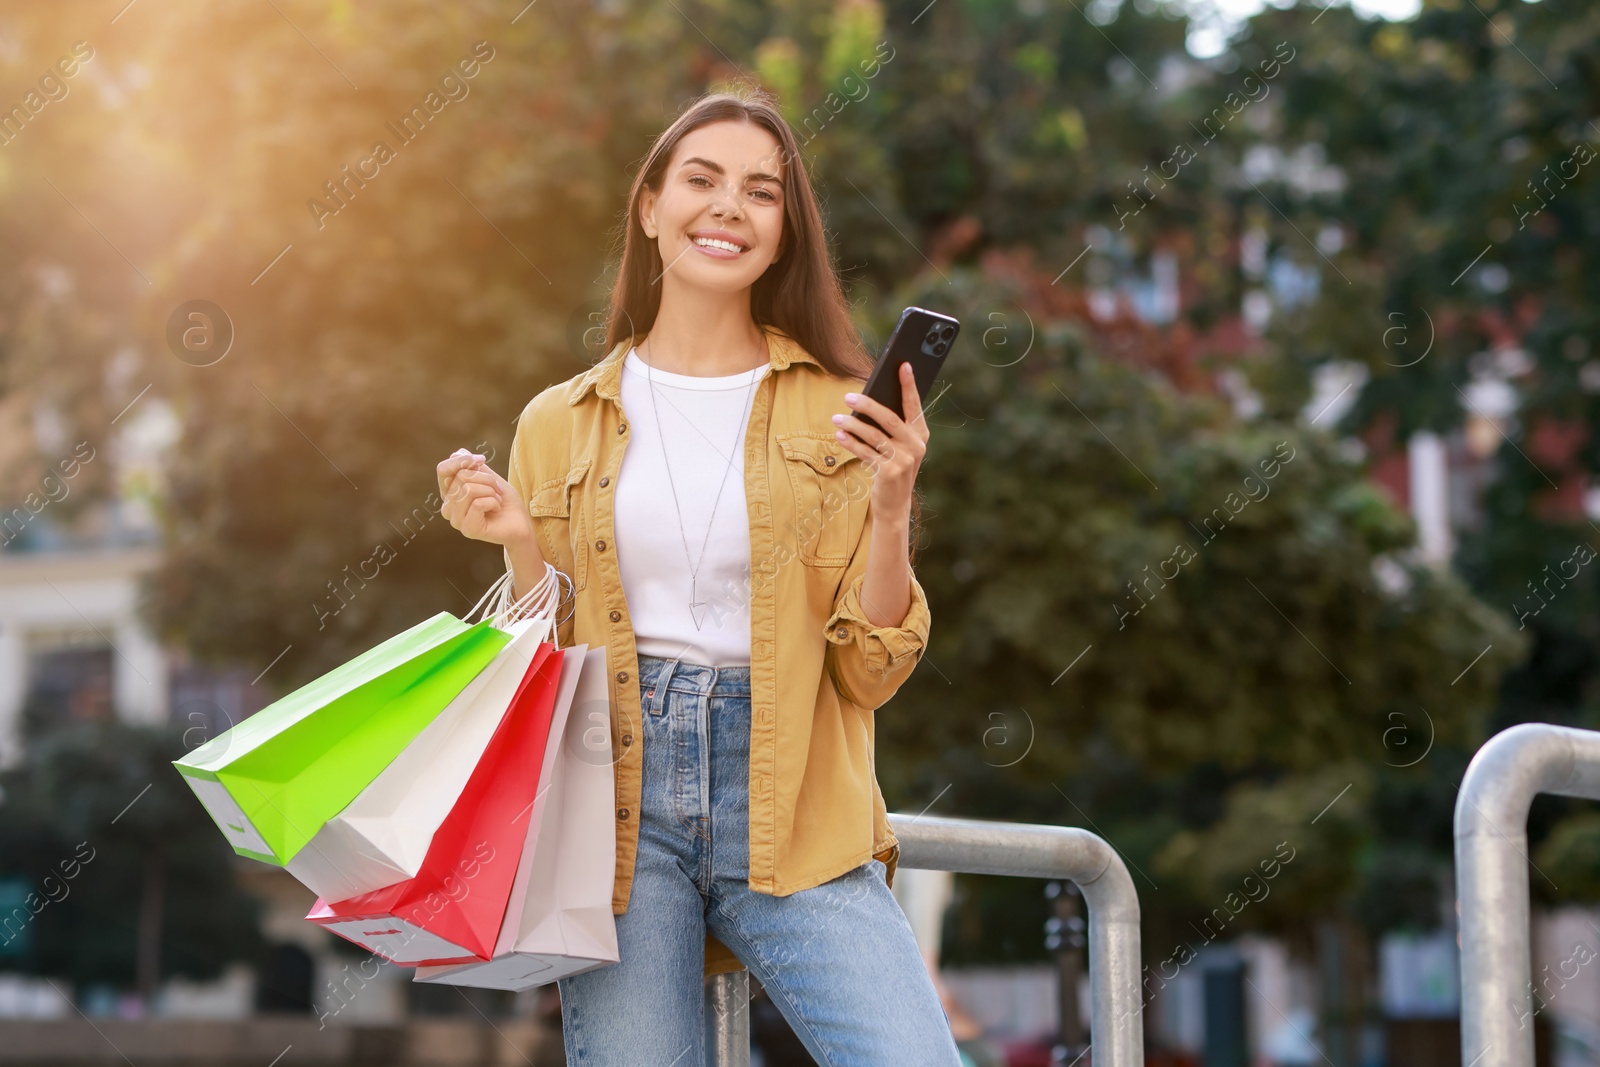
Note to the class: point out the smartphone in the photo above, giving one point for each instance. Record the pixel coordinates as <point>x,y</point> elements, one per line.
<point>921,338</point>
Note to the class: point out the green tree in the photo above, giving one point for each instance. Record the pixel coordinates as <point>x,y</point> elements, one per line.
<point>380,325</point>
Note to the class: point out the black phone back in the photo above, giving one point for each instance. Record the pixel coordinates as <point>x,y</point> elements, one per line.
<point>921,338</point>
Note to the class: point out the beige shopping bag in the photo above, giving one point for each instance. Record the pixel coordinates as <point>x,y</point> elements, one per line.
<point>558,922</point>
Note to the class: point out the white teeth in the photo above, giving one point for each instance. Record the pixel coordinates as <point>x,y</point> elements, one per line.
<point>712,242</point>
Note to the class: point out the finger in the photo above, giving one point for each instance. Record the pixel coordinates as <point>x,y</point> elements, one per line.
<point>481,476</point>
<point>868,433</point>
<point>460,458</point>
<point>473,477</point>
<point>879,413</point>
<point>468,497</point>
<point>911,398</point>
<point>877,455</point>
<point>452,465</point>
<point>867,454</point>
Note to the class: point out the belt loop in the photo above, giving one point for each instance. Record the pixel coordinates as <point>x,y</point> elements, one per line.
<point>666,675</point>
<point>655,698</point>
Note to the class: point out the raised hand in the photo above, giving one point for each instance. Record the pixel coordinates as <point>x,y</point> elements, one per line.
<point>480,503</point>
<point>894,453</point>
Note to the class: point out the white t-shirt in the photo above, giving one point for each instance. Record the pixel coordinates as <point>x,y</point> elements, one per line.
<point>703,426</point>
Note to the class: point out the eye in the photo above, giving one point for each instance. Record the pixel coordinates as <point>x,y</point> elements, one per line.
<point>699,178</point>
<point>762,192</point>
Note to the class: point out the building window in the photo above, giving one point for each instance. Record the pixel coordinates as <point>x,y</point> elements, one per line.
<point>67,686</point>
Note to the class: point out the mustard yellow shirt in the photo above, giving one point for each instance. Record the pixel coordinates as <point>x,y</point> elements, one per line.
<point>818,668</point>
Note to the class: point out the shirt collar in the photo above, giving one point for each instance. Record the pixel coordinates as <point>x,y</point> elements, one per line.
<point>604,376</point>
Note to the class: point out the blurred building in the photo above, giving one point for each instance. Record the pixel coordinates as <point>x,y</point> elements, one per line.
<point>75,647</point>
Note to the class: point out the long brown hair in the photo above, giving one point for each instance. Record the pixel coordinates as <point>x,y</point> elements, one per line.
<point>799,293</point>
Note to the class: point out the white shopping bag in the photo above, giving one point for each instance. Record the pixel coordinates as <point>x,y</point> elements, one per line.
<point>381,837</point>
<point>454,912</point>
<point>559,921</point>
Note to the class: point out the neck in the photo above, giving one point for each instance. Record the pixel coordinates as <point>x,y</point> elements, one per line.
<point>704,334</point>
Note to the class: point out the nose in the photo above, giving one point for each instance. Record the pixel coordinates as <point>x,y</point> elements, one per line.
<point>722,209</point>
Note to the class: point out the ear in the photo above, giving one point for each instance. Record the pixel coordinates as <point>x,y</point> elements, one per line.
<point>647,208</point>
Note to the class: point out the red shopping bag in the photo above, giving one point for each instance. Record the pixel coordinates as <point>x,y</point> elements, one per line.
<point>452,911</point>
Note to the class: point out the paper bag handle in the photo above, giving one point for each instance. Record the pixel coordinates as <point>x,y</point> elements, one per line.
<point>542,601</point>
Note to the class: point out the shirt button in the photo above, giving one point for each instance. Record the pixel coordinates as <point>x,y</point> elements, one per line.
<point>599,546</point>
<point>605,481</point>
<point>616,616</point>
<point>622,676</point>
<point>622,427</point>
<point>827,461</point>
<point>842,632</point>
<point>622,814</point>
<point>627,739</point>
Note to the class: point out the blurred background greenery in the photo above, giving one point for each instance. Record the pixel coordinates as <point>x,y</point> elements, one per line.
<point>1169,244</point>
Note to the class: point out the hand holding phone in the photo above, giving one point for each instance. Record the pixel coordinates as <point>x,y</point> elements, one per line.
<point>921,338</point>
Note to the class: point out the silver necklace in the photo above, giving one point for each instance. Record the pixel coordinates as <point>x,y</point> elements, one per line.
<point>697,608</point>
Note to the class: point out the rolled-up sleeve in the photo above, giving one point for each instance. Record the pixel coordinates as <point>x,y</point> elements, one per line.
<point>868,663</point>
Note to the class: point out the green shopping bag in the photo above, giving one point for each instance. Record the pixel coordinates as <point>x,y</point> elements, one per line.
<point>272,781</point>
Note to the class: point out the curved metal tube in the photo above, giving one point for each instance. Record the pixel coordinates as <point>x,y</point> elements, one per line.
<point>1022,850</point>
<point>1491,841</point>
<point>1025,850</point>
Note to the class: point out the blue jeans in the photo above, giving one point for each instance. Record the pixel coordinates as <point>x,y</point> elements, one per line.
<point>839,959</point>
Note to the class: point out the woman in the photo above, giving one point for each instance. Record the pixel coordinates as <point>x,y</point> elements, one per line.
<point>746,565</point>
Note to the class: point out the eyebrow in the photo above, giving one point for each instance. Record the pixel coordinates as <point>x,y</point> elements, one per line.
<point>719,169</point>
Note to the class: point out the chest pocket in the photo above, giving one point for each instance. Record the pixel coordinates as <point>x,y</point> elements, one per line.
<point>831,486</point>
<point>561,518</point>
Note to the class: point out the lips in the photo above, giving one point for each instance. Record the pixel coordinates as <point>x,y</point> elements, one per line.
<point>721,244</point>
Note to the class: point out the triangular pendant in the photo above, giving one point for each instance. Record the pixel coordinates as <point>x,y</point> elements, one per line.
<point>697,611</point>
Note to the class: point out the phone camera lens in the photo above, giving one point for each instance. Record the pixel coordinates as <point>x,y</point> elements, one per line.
<point>939,349</point>
<point>947,333</point>
<point>933,335</point>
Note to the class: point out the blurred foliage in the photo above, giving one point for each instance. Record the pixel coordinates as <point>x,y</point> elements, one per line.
<point>1300,649</point>
<point>1570,857</point>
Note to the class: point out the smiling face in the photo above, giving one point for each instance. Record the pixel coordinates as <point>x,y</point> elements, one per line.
<point>718,218</point>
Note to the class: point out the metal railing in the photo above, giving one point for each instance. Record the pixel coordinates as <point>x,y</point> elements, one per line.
<point>1491,836</point>
<point>1023,850</point>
